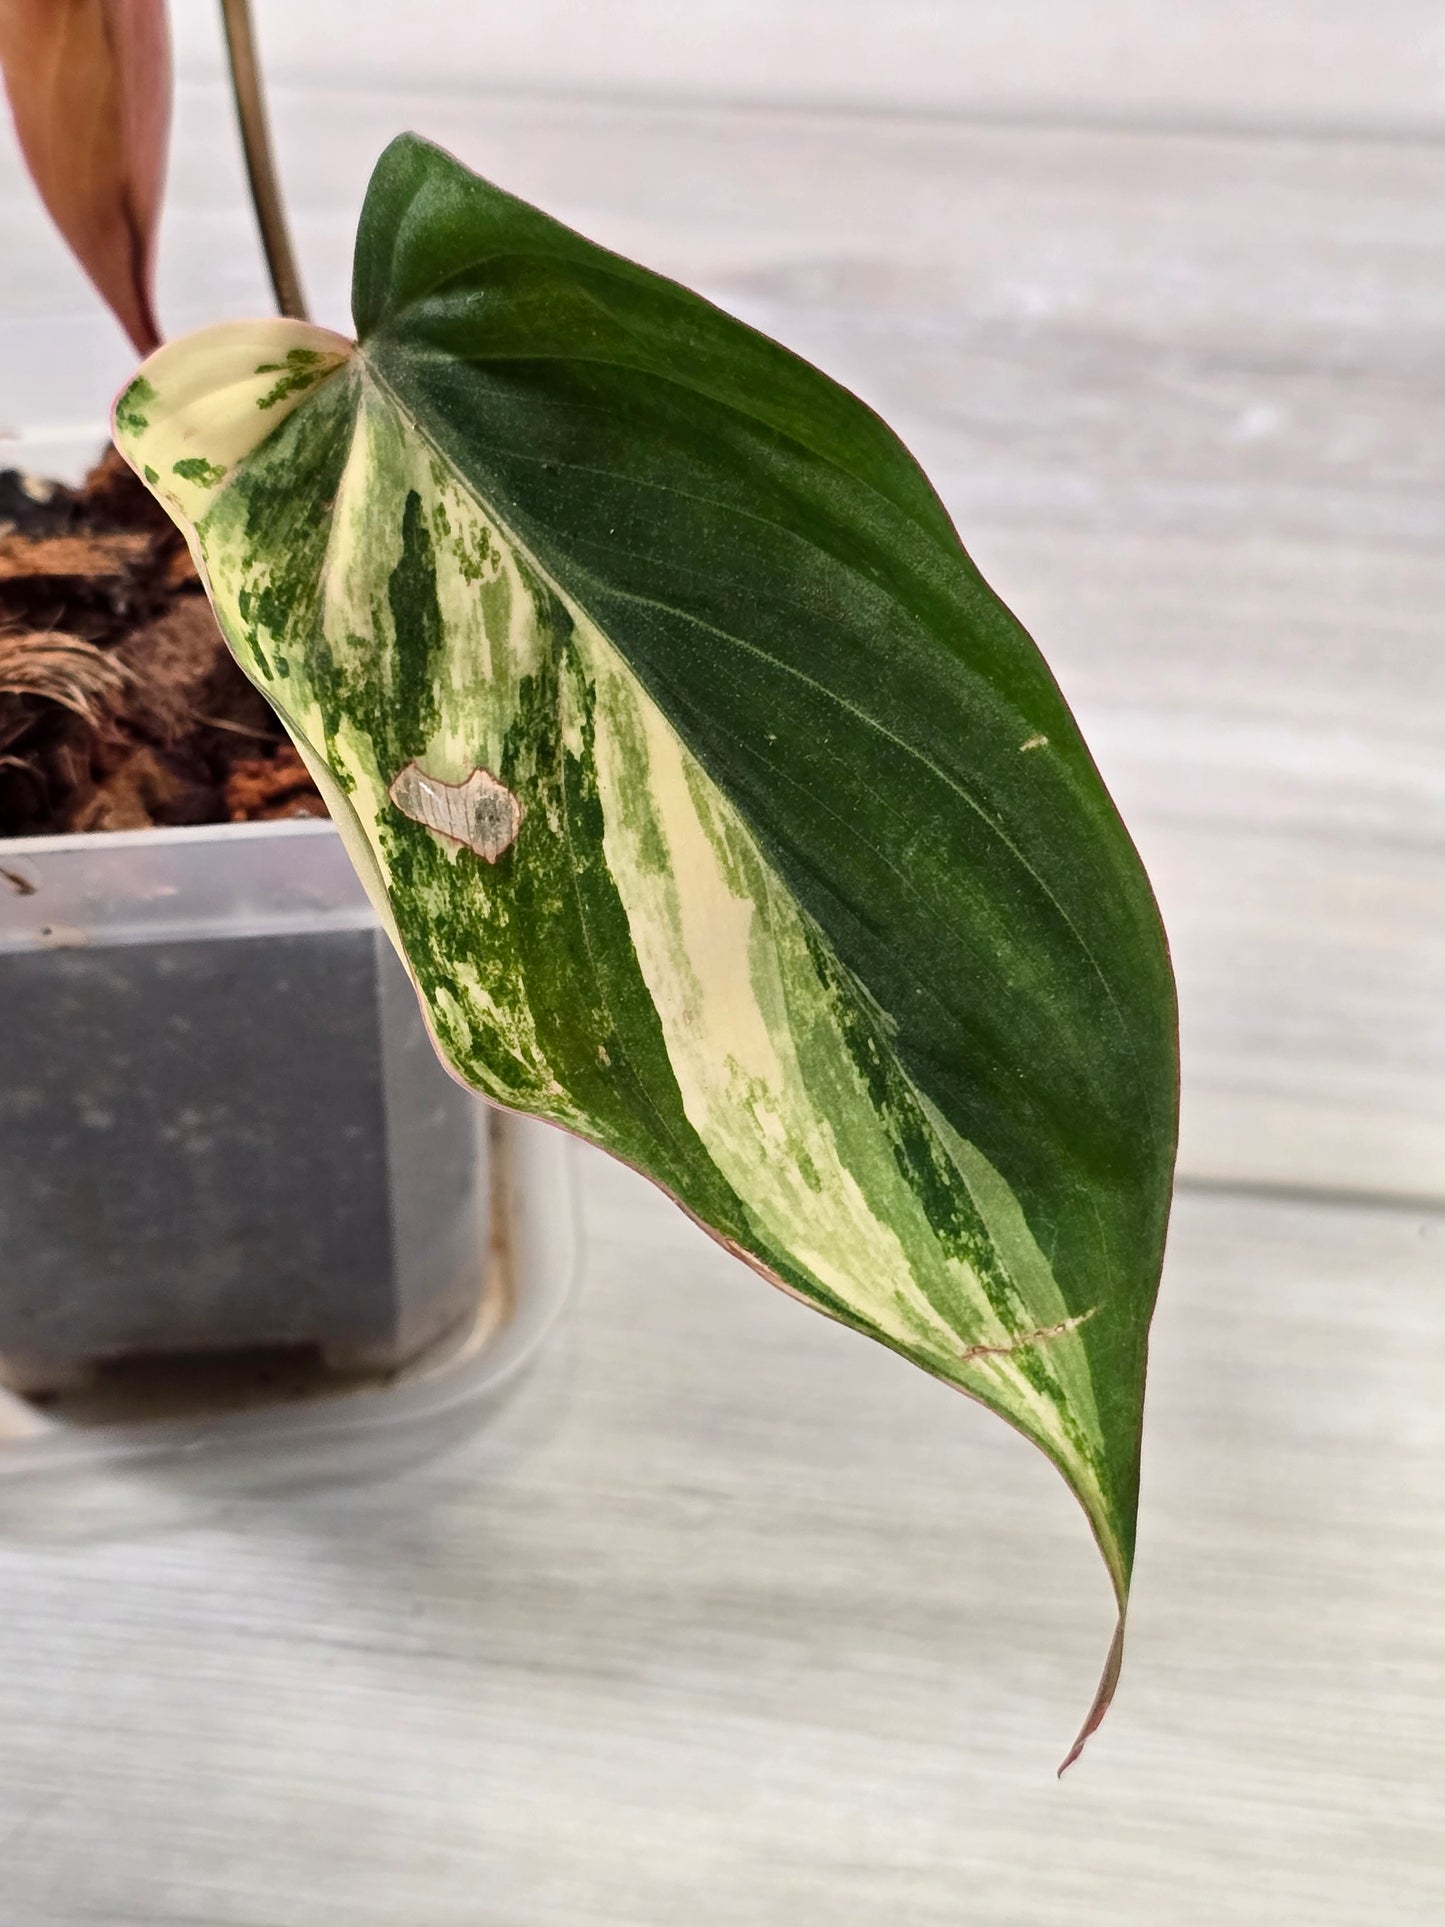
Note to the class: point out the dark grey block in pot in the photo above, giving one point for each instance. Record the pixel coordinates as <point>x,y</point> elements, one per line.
<point>222,1124</point>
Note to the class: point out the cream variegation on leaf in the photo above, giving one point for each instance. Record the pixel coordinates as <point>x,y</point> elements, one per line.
<point>513,571</point>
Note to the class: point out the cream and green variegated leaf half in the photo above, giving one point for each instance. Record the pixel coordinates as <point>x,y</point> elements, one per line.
<point>720,812</point>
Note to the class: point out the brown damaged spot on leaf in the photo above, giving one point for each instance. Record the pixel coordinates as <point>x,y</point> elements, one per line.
<point>480,814</point>
<point>1041,1336</point>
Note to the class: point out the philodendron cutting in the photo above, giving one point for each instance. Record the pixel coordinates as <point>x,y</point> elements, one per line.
<point>721,813</point>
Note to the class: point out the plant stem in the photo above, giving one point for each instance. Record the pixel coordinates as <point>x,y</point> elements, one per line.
<point>260,165</point>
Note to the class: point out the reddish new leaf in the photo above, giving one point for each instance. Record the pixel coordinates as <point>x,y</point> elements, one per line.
<point>90,88</point>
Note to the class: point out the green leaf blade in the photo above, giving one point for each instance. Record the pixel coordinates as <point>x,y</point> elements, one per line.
<point>721,812</point>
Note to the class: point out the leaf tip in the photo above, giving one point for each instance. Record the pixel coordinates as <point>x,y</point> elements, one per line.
<point>1102,1700</point>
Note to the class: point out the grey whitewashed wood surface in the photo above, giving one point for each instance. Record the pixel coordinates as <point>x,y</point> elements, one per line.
<point>1334,64</point>
<point>726,1617</point>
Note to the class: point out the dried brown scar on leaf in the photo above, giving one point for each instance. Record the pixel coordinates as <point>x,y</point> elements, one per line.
<point>1039,1337</point>
<point>480,814</point>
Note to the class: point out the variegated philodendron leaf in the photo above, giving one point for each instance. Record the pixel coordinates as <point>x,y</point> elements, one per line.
<point>720,811</point>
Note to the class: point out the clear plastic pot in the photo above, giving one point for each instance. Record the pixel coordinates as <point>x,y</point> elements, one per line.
<point>224,1131</point>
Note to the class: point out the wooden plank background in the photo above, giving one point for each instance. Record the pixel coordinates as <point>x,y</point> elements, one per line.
<point>1300,64</point>
<point>729,1618</point>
